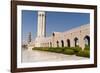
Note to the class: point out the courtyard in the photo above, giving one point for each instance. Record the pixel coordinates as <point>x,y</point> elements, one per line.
<point>41,56</point>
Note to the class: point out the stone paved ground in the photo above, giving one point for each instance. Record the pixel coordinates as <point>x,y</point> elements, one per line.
<point>36,56</point>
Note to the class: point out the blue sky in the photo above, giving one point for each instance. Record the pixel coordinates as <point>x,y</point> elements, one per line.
<point>55,21</point>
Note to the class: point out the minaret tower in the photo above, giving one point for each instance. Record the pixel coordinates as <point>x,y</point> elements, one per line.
<point>29,37</point>
<point>41,28</point>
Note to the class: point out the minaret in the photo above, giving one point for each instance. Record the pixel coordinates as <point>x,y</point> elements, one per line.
<point>41,28</point>
<point>29,37</point>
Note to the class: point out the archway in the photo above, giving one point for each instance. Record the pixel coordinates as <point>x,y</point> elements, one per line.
<point>62,43</point>
<point>87,40</point>
<point>68,43</point>
<point>76,41</point>
<point>57,43</point>
<point>50,44</point>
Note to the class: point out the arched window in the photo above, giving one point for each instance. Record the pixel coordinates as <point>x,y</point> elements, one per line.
<point>68,43</point>
<point>62,43</point>
<point>57,43</point>
<point>76,41</point>
<point>87,40</point>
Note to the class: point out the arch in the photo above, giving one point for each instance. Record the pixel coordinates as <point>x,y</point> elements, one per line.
<point>62,43</point>
<point>57,43</point>
<point>53,34</point>
<point>50,44</point>
<point>76,41</point>
<point>87,40</point>
<point>68,43</point>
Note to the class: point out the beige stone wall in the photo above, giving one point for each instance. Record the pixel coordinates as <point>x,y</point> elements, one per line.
<point>78,32</point>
